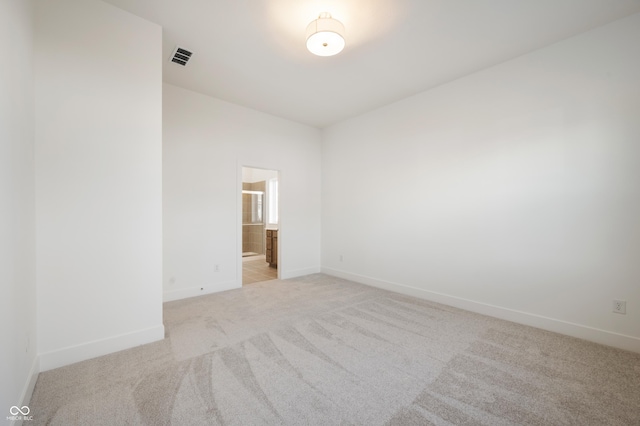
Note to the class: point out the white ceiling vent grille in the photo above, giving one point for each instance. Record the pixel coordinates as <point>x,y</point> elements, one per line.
<point>181,56</point>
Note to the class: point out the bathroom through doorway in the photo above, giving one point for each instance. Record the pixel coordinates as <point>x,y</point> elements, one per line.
<point>260,219</point>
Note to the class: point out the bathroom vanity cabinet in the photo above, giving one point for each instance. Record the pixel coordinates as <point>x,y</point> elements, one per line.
<point>272,247</point>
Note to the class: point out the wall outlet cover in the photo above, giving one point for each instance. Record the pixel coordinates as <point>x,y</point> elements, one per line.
<point>620,306</point>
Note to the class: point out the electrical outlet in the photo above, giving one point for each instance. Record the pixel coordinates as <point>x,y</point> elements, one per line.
<point>620,306</point>
<point>340,257</point>
<point>216,268</point>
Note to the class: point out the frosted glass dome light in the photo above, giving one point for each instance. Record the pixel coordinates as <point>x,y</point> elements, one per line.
<point>325,36</point>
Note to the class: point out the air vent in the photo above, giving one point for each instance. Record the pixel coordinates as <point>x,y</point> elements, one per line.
<point>181,56</point>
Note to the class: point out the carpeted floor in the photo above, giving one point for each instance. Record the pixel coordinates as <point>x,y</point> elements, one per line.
<point>323,351</point>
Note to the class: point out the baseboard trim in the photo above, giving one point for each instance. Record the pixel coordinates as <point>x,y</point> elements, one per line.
<point>96,348</point>
<point>596,335</point>
<point>186,293</point>
<point>285,275</point>
<point>25,397</point>
<point>27,390</point>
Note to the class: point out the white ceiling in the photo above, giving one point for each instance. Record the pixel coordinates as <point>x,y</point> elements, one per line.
<point>252,52</point>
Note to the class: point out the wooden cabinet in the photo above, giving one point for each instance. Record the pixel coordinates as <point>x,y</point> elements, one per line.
<point>272,247</point>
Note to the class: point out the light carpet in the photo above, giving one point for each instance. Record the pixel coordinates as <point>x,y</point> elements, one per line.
<point>319,350</point>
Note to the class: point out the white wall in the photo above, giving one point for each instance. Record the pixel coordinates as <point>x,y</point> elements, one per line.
<point>18,362</point>
<point>205,144</point>
<point>251,175</point>
<point>98,180</point>
<point>514,191</point>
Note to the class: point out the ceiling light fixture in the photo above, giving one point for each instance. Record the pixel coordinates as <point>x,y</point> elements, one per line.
<point>325,36</point>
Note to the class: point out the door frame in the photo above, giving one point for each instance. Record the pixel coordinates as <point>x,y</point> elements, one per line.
<point>239,179</point>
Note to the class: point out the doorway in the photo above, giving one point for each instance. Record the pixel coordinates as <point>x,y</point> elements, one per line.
<point>260,219</point>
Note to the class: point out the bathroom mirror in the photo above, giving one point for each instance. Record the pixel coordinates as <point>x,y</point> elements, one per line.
<point>253,207</point>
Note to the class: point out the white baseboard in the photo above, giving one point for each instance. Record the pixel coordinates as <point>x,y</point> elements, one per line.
<point>185,293</point>
<point>77,353</point>
<point>596,335</point>
<point>27,390</point>
<point>284,275</point>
